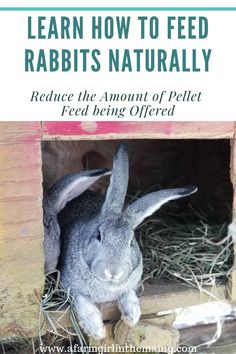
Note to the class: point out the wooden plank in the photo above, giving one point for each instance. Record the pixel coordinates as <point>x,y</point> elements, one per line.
<point>157,298</point>
<point>18,210</point>
<point>147,333</point>
<point>21,252</point>
<point>19,132</point>
<point>165,297</point>
<point>205,332</point>
<point>136,130</point>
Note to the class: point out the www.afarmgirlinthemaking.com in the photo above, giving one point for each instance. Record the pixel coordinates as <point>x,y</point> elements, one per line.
<point>115,348</point>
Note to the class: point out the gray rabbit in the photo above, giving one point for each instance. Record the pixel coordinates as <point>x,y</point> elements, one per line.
<point>91,240</point>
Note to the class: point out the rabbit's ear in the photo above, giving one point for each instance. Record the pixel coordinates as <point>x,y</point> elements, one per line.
<point>71,186</point>
<point>148,204</point>
<point>117,189</point>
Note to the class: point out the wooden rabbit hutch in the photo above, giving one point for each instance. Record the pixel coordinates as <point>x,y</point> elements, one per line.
<point>21,227</point>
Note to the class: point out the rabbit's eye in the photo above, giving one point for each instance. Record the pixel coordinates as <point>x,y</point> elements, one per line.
<point>99,238</point>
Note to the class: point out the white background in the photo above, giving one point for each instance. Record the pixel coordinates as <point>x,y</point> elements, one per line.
<point>114,3</point>
<point>217,86</point>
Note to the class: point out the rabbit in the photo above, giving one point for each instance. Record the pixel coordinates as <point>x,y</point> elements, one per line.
<point>67,188</point>
<point>91,240</point>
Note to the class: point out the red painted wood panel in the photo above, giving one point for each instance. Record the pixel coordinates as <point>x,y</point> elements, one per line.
<point>115,130</point>
<point>20,132</point>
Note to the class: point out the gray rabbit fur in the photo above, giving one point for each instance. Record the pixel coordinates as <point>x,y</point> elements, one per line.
<point>91,240</point>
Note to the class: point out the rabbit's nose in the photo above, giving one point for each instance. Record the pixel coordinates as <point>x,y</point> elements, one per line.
<point>112,275</point>
<point>107,273</point>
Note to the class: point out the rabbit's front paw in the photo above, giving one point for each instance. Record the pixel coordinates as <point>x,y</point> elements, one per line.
<point>89,317</point>
<point>130,309</point>
<point>94,327</point>
<point>132,315</point>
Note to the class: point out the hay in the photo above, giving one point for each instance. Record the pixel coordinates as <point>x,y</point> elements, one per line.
<point>55,304</point>
<point>185,247</point>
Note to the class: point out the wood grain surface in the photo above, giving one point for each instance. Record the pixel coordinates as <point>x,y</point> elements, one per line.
<point>21,234</point>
